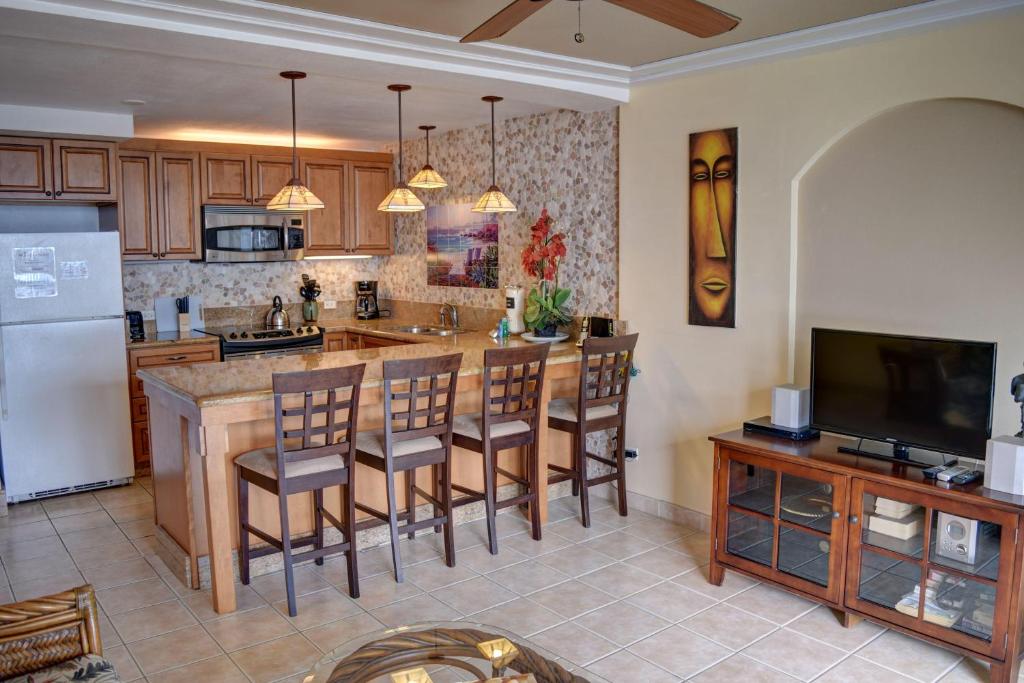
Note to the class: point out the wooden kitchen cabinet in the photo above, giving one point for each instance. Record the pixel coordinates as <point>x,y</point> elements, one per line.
<point>159,211</point>
<point>26,168</point>
<point>371,230</point>
<point>226,178</point>
<point>83,170</point>
<point>269,175</point>
<point>153,357</point>
<point>55,169</point>
<point>337,341</point>
<point>801,516</point>
<point>327,229</point>
<point>351,341</point>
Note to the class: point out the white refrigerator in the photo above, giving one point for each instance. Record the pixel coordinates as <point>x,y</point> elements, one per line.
<point>64,412</point>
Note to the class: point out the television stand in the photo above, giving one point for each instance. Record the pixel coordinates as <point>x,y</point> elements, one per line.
<point>899,453</point>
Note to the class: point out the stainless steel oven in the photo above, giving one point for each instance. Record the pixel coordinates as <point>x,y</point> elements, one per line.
<point>245,234</point>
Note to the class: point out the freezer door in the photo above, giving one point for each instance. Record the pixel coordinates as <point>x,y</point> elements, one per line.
<point>64,418</point>
<point>60,276</point>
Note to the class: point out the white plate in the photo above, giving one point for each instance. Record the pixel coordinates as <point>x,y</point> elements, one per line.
<point>531,337</point>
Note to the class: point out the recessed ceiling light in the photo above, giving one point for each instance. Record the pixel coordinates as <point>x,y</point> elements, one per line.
<point>134,103</point>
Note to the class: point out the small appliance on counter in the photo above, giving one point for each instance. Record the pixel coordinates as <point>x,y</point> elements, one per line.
<point>515,306</point>
<point>594,326</point>
<point>136,328</point>
<point>366,300</point>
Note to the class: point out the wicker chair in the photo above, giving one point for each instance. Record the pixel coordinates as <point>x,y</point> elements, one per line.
<point>54,638</point>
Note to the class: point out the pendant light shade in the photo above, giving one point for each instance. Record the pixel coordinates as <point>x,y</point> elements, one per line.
<point>294,196</point>
<point>494,200</point>
<point>401,199</point>
<point>428,178</point>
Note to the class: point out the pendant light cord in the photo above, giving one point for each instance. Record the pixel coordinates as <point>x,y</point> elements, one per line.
<point>295,154</point>
<point>401,172</point>
<point>494,173</point>
<point>427,131</point>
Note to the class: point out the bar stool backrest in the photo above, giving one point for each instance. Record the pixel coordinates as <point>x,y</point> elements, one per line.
<point>605,371</point>
<point>315,414</point>
<point>513,380</point>
<point>419,397</point>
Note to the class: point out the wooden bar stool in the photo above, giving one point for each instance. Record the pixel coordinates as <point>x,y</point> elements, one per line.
<point>512,384</point>
<point>419,396</point>
<point>604,388</point>
<point>313,451</point>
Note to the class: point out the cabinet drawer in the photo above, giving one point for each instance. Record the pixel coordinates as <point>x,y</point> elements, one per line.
<point>140,441</point>
<point>140,409</point>
<point>143,359</point>
<point>369,342</point>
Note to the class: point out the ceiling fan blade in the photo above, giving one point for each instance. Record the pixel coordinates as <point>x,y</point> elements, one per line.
<point>504,21</point>
<point>691,16</point>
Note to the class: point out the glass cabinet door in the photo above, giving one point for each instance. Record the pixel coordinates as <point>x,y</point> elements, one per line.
<point>780,522</point>
<point>929,563</point>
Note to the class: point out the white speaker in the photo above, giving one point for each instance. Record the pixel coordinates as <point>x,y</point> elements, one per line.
<point>791,406</point>
<point>1004,464</point>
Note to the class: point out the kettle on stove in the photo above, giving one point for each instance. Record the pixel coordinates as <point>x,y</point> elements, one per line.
<point>277,317</point>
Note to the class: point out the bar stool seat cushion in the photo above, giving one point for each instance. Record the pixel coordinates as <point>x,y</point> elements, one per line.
<point>472,426</point>
<point>568,409</point>
<point>372,443</point>
<point>264,461</point>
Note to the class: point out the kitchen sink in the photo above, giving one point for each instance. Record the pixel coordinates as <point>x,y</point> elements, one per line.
<point>428,330</point>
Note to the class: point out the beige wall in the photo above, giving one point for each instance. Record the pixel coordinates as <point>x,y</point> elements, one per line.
<point>697,381</point>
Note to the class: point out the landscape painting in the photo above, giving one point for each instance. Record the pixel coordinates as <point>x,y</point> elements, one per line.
<point>462,247</point>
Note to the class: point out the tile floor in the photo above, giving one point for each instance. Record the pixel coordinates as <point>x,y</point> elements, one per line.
<point>626,600</point>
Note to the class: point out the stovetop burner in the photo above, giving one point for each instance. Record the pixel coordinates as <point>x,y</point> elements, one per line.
<point>240,337</point>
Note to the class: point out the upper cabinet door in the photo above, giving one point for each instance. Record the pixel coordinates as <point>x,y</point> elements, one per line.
<point>226,178</point>
<point>370,229</point>
<point>269,175</point>
<point>326,228</point>
<point>84,170</point>
<point>178,218</point>
<point>25,168</point>
<point>136,212</point>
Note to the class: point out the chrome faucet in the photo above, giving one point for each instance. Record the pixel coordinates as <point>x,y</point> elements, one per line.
<point>445,309</point>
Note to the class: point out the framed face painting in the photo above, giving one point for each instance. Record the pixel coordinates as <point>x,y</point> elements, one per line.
<point>712,277</point>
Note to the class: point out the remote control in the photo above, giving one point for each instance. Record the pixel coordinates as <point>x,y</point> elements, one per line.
<point>948,474</point>
<point>933,472</point>
<point>966,478</point>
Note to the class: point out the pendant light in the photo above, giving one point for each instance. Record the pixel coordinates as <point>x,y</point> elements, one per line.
<point>428,178</point>
<point>401,199</point>
<point>294,196</point>
<point>494,200</point>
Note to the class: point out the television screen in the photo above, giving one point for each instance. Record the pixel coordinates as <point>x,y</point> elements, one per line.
<point>934,394</point>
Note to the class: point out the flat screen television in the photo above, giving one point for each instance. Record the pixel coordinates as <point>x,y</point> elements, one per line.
<point>934,394</point>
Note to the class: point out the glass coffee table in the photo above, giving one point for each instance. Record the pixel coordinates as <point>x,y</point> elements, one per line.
<point>449,651</point>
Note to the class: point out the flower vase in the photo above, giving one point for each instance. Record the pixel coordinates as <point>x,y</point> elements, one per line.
<point>549,330</point>
<point>310,311</point>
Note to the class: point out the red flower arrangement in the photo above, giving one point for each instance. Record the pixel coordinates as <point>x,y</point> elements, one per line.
<point>545,305</point>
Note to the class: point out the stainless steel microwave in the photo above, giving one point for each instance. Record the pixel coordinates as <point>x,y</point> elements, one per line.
<point>246,234</point>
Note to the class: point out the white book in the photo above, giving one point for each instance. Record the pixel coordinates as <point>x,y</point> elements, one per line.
<point>894,508</point>
<point>897,528</point>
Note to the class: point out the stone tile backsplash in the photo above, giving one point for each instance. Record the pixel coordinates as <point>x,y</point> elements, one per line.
<point>564,161</point>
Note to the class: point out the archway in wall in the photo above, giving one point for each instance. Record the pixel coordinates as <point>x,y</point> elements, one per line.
<point>913,223</point>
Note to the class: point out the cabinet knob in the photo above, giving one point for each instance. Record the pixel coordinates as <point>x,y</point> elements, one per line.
<point>854,519</point>
<point>49,194</point>
<point>59,192</point>
<point>163,254</point>
<point>156,255</point>
<point>835,514</point>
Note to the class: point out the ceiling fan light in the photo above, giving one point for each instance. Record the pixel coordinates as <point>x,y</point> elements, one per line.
<point>295,197</point>
<point>494,201</point>
<point>401,200</point>
<point>428,179</point>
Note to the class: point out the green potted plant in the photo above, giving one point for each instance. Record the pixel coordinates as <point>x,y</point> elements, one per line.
<point>545,304</point>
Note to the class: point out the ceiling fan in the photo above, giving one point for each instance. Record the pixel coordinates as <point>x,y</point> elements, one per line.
<point>691,16</point>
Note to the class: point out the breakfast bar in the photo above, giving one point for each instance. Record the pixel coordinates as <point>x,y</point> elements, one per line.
<point>203,416</point>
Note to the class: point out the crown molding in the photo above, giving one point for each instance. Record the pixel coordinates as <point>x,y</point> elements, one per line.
<point>256,22</point>
<point>887,23</point>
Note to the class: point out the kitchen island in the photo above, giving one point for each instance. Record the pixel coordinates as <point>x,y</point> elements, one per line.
<point>203,416</point>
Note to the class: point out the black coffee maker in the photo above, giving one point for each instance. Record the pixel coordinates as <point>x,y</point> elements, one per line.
<point>136,328</point>
<point>366,300</point>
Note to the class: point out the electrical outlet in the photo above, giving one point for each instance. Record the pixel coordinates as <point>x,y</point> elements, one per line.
<point>331,304</point>
<point>632,453</point>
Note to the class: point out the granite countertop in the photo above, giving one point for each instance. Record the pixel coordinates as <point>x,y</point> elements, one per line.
<point>242,381</point>
<point>172,338</point>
